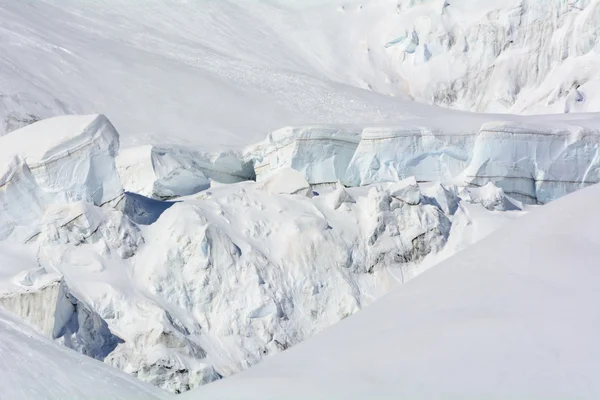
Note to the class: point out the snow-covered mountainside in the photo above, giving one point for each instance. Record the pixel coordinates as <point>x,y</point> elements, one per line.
<point>181,246</point>
<point>225,73</point>
<point>513,316</point>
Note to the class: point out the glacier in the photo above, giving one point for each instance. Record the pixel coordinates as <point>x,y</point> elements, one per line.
<point>188,247</point>
<point>167,172</point>
<point>152,286</point>
<point>496,320</point>
<point>149,282</point>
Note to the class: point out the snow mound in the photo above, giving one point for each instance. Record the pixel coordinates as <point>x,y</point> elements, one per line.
<point>286,181</point>
<point>493,198</point>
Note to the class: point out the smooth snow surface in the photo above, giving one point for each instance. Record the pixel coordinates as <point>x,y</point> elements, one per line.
<point>32,367</point>
<point>225,73</point>
<point>513,316</point>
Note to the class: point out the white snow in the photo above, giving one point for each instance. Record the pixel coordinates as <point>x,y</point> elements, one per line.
<point>511,316</point>
<point>539,162</point>
<point>359,188</point>
<point>167,172</point>
<point>321,154</point>
<point>224,74</point>
<point>536,159</point>
<point>32,367</point>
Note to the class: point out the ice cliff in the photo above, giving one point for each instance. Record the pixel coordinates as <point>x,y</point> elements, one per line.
<point>55,161</point>
<point>535,160</point>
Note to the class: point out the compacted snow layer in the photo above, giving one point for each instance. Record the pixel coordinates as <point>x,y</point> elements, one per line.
<point>536,159</point>
<point>513,316</point>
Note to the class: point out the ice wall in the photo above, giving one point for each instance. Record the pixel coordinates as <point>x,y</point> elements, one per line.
<point>535,163</point>
<point>535,160</point>
<point>395,153</point>
<point>56,161</point>
<point>322,154</point>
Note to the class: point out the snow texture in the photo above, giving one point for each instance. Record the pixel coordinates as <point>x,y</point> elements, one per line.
<point>140,259</point>
<point>216,75</point>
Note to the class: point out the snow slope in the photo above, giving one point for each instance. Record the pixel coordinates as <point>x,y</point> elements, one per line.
<point>222,74</point>
<point>210,73</point>
<point>520,56</point>
<point>32,367</point>
<point>515,315</point>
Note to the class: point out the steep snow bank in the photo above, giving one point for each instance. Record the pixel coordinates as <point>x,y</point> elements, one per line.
<point>322,154</point>
<point>391,154</point>
<point>535,162</point>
